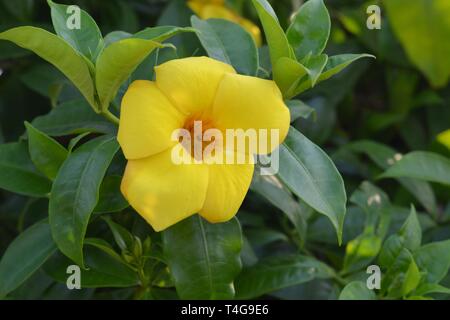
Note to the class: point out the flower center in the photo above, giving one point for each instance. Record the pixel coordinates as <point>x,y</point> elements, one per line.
<point>202,135</point>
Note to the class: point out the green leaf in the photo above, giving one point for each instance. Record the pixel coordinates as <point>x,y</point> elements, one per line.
<point>111,198</point>
<point>299,109</point>
<point>276,38</point>
<point>58,52</point>
<point>161,33</point>
<point>273,190</point>
<point>412,279</point>
<point>411,231</point>
<point>357,290</point>
<point>103,270</point>
<point>361,251</point>
<point>87,39</point>
<point>279,272</point>
<point>314,65</point>
<point>124,238</point>
<point>308,34</point>
<point>18,174</point>
<point>73,117</point>
<point>384,156</point>
<point>434,259</point>
<point>336,64</point>
<point>421,165</point>
<point>116,63</point>
<point>288,73</point>
<point>374,203</point>
<point>73,143</point>
<point>104,246</point>
<point>311,175</point>
<point>47,154</point>
<point>75,194</point>
<point>393,281</point>
<point>24,256</point>
<point>115,36</point>
<point>228,42</point>
<point>294,77</point>
<point>428,288</point>
<point>390,250</point>
<point>427,42</point>
<point>208,253</point>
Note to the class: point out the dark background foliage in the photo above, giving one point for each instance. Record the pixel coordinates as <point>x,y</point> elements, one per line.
<point>386,100</point>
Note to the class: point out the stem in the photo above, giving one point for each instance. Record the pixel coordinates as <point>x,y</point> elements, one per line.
<point>340,280</point>
<point>108,115</point>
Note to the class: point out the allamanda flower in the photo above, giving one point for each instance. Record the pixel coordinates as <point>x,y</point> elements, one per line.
<point>207,9</point>
<point>186,91</point>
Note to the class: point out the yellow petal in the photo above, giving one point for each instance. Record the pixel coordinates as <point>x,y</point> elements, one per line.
<point>228,185</point>
<point>147,121</point>
<point>196,6</point>
<point>444,138</point>
<point>218,12</point>
<point>191,83</point>
<point>244,102</point>
<point>162,192</point>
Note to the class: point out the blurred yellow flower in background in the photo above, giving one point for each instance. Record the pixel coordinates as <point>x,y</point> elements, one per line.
<point>207,9</point>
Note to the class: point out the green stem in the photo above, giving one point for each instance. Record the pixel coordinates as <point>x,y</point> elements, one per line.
<point>108,115</point>
<point>343,282</point>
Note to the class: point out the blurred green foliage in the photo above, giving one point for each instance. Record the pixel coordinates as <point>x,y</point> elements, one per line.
<point>366,118</point>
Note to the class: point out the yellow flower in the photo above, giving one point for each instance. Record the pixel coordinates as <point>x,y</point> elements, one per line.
<point>207,9</point>
<point>188,90</point>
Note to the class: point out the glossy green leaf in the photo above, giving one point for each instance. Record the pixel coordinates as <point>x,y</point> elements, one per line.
<point>111,198</point>
<point>394,280</point>
<point>374,202</point>
<point>18,174</point>
<point>276,38</point>
<point>46,154</point>
<point>279,272</point>
<point>411,231</point>
<point>102,271</point>
<point>116,63</point>
<point>299,109</point>
<point>288,73</point>
<point>314,65</point>
<point>103,246</point>
<point>423,26</point>
<point>73,143</point>
<point>421,165</point>
<point>311,175</point>
<point>123,238</point>
<point>72,117</point>
<point>308,34</point>
<point>357,290</point>
<point>428,288</point>
<point>228,42</point>
<point>390,250</point>
<point>434,259</point>
<point>87,39</point>
<point>115,36</point>
<point>361,251</point>
<point>411,280</point>
<point>208,253</point>
<point>384,156</point>
<point>75,194</point>
<point>271,188</point>
<point>336,64</point>
<point>161,33</point>
<point>56,51</point>
<point>24,256</point>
